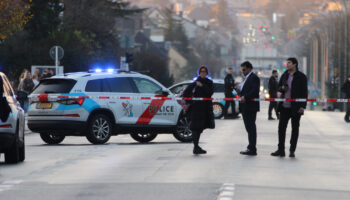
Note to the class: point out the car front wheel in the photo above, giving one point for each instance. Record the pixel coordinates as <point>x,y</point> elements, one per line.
<point>218,110</point>
<point>143,137</point>
<point>50,138</point>
<point>183,132</point>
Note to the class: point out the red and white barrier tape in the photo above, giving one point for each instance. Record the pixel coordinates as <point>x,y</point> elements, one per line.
<point>47,98</point>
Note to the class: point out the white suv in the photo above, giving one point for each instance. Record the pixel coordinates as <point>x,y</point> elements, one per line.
<point>98,105</point>
<point>12,130</point>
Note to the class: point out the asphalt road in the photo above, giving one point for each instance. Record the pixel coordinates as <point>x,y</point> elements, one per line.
<point>166,169</point>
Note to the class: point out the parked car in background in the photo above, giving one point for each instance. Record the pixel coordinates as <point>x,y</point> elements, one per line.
<point>12,130</point>
<point>219,89</point>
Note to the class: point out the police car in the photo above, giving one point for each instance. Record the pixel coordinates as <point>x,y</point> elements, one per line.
<point>219,92</point>
<point>101,104</point>
<point>12,130</point>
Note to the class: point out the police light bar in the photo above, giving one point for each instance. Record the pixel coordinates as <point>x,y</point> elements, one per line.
<point>99,70</point>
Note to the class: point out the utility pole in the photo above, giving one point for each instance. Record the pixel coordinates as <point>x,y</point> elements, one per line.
<point>345,41</point>
<point>346,37</point>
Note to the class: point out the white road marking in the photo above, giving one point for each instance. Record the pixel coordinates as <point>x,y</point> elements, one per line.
<point>7,185</point>
<point>12,182</point>
<point>226,192</point>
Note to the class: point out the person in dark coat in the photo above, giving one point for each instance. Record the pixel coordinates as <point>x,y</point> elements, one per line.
<point>249,89</point>
<point>346,89</point>
<point>4,107</point>
<point>201,112</point>
<point>273,88</point>
<point>229,86</point>
<point>293,84</point>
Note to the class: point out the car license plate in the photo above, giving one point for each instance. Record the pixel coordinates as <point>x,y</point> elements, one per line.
<point>44,105</point>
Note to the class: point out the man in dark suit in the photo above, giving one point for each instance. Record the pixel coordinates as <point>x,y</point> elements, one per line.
<point>273,88</point>
<point>293,85</point>
<point>249,90</point>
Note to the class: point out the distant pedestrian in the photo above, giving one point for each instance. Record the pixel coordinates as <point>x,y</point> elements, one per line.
<point>346,89</point>
<point>249,89</point>
<point>24,89</point>
<point>201,112</point>
<point>273,88</point>
<point>35,79</point>
<point>22,76</point>
<point>293,84</point>
<point>46,74</point>
<point>229,86</point>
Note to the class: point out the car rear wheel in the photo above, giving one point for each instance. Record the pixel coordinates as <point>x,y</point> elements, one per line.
<point>50,138</point>
<point>12,155</point>
<point>22,152</point>
<point>183,132</point>
<point>218,110</point>
<point>100,129</point>
<point>143,137</point>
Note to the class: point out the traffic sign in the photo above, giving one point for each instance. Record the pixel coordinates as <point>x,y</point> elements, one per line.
<point>56,49</point>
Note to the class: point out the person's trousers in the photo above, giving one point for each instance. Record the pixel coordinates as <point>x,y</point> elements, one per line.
<point>249,119</point>
<point>273,105</point>
<point>285,115</point>
<point>196,134</point>
<point>347,109</point>
<point>227,105</point>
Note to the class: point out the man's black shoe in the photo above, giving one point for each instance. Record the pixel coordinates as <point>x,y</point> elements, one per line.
<point>278,153</point>
<point>248,153</point>
<point>271,118</point>
<point>291,154</point>
<point>236,117</point>
<point>198,150</point>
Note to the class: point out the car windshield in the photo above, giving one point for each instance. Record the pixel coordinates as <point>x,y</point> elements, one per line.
<point>54,86</point>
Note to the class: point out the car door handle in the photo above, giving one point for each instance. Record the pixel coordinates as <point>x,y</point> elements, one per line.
<point>112,102</point>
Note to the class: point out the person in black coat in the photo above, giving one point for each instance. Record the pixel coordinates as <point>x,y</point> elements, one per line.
<point>273,88</point>
<point>293,84</point>
<point>229,86</point>
<point>4,107</point>
<point>346,89</point>
<point>201,112</point>
<point>249,90</point>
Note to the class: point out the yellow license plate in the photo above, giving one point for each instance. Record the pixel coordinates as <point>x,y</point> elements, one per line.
<point>44,105</point>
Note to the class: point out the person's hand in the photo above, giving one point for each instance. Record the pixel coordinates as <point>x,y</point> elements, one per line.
<point>242,99</point>
<point>199,84</point>
<point>301,111</point>
<point>279,95</point>
<point>237,90</point>
<point>285,88</point>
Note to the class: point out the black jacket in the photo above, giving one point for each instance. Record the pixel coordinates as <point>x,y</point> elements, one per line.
<point>273,87</point>
<point>299,90</point>
<point>201,112</point>
<point>250,90</point>
<point>229,85</point>
<point>346,89</point>
<point>4,106</point>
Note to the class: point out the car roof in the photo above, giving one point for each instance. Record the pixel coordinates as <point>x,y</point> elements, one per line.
<point>220,81</point>
<point>90,75</point>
